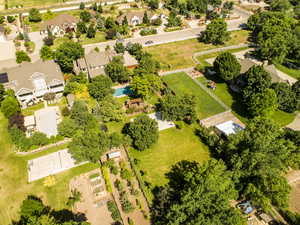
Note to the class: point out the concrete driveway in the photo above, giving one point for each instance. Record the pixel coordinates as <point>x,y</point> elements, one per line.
<point>7,50</point>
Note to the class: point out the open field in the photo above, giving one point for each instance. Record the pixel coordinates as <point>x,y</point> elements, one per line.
<point>181,84</point>
<point>291,72</point>
<point>173,146</point>
<point>178,55</point>
<point>13,179</point>
<point>32,3</point>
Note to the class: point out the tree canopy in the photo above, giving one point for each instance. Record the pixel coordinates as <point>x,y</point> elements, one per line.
<point>227,66</point>
<point>34,212</point>
<point>197,194</point>
<point>10,106</point>
<point>66,53</point>
<point>143,132</point>
<point>117,71</point>
<point>216,32</point>
<point>258,156</point>
<point>100,87</point>
<point>175,107</point>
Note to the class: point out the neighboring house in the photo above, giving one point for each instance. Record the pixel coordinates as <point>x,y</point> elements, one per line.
<point>94,62</point>
<point>135,18</point>
<point>246,64</point>
<point>31,81</point>
<point>44,120</point>
<point>2,34</point>
<point>60,25</point>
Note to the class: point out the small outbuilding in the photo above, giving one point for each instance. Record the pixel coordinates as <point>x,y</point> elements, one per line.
<point>114,155</point>
<point>229,127</point>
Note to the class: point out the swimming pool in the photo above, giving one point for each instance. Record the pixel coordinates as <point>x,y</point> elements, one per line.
<point>122,91</point>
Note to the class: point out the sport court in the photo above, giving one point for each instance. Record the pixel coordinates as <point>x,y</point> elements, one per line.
<point>50,164</point>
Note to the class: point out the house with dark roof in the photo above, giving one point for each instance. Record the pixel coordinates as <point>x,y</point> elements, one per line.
<point>59,26</point>
<point>31,81</point>
<point>93,63</point>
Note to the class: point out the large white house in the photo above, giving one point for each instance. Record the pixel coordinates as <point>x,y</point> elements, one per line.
<point>31,81</point>
<point>59,26</point>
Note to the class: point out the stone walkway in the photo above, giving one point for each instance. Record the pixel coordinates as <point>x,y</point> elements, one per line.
<point>295,125</point>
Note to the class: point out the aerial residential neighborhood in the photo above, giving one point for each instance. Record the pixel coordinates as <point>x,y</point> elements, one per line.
<point>156,112</point>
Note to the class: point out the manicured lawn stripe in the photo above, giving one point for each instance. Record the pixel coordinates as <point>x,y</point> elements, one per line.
<point>182,84</point>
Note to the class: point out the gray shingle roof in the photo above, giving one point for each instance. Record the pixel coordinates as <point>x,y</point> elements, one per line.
<point>21,77</point>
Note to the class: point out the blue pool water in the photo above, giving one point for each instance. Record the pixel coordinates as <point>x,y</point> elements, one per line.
<point>122,91</point>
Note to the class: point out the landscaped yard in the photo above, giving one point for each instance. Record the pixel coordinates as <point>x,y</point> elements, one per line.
<point>181,84</point>
<point>291,72</point>
<point>100,37</point>
<point>177,55</point>
<point>173,146</point>
<point>233,100</point>
<point>13,179</point>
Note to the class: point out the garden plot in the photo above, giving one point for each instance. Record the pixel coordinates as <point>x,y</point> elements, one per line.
<point>50,164</point>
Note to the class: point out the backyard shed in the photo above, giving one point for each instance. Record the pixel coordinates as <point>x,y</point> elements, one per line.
<point>229,127</point>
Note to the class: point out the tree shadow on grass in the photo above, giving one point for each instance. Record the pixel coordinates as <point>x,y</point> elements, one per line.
<point>237,106</point>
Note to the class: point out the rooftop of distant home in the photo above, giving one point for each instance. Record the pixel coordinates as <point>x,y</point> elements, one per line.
<point>59,20</point>
<point>29,76</point>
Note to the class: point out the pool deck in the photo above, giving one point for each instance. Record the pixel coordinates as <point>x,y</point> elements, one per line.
<point>120,86</point>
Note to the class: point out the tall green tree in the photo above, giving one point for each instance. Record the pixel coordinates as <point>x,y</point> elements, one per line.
<point>85,16</point>
<point>34,15</point>
<point>227,66</point>
<point>285,96</point>
<point>143,132</point>
<point>145,85</point>
<point>66,53</point>
<point>175,107</point>
<point>21,56</point>
<point>100,87</point>
<point>258,157</point>
<point>117,71</point>
<point>46,53</point>
<point>10,106</point>
<point>89,146</point>
<point>216,32</point>
<point>91,32</point>
<point>263,103</point>
<point>257,80</point>
<point>197,194</point>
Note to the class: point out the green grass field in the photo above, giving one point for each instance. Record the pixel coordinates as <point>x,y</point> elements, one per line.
<point>291,72</point>
<point>173,146</point>
<point>234,101</point>
<point>32,3</point>
<point>178,55</point>
<point>13,179</point>
<point>181,84</point>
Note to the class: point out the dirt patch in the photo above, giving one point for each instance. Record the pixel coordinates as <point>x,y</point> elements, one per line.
<point>294,202</point>
<point>94,198</point>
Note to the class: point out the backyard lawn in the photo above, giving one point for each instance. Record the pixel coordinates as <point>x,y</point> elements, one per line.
<point>13,179</point>
<point>177,55</point>
<point>233,100</point>
<point>173,146</point>
<point>181,84</point>
<point>291,72</point>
